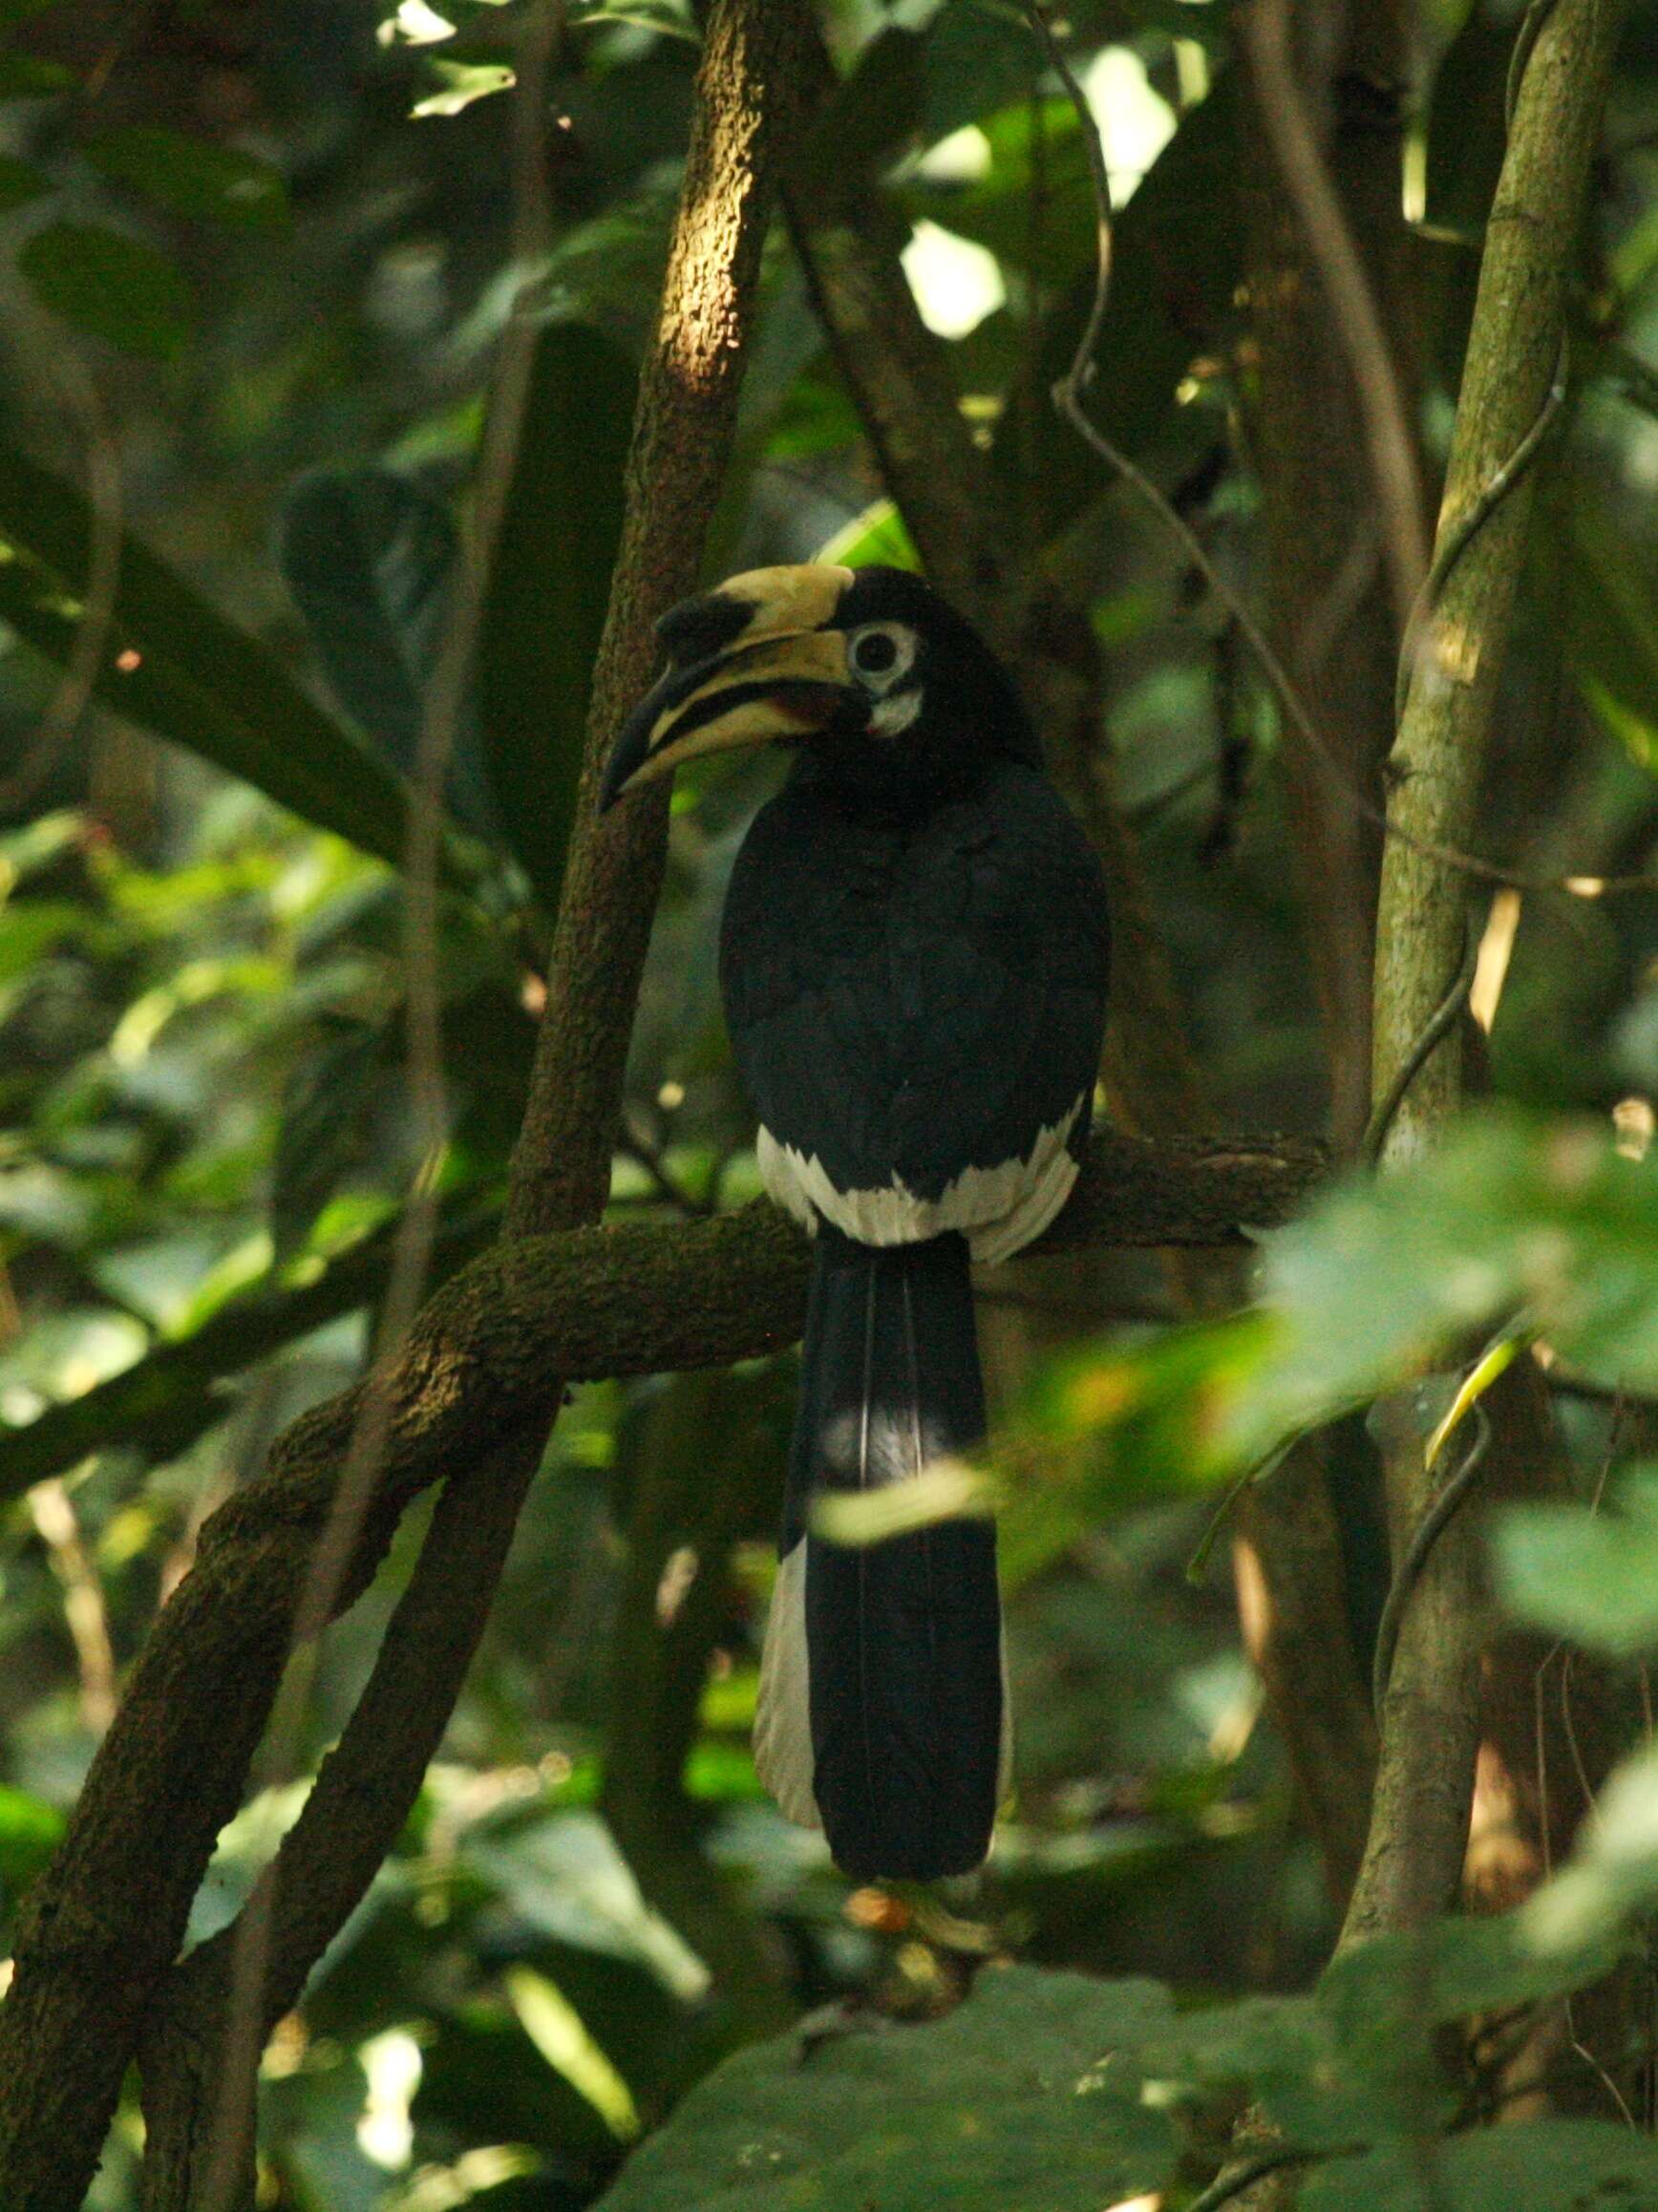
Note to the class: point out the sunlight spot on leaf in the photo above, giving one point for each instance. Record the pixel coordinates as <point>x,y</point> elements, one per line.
<point>392,2066</point>
<point>1136,124</point>
<point>415,24</point>
<point>464,82</point>
<point>956,284</point>
<point>556,2028</point>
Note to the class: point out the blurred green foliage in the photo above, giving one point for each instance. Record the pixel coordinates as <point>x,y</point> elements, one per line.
<point>281,251</point>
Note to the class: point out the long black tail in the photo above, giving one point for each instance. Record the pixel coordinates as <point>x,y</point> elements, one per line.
<point>880,1702</point>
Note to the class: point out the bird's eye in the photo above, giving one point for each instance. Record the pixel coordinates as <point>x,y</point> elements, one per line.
<point>882,652</point>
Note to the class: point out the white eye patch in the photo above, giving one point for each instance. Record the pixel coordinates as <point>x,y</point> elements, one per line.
<point>894,716</point>
<point>881,655</point>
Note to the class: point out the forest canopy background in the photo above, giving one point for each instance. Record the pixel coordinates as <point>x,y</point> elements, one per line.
<point>259,270</point>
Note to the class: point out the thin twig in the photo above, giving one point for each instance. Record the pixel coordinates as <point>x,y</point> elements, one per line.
<point>1392,449</point>
<point>73,691</point>
<point>1231,2183</point>
<point>1438,1027</point>
<point>1447,1503</point>
<point>84,1611</point>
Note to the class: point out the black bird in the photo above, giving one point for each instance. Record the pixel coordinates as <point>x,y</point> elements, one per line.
<point>913,961</point>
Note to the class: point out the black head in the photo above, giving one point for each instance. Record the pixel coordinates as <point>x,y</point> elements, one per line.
<point>883,685</point>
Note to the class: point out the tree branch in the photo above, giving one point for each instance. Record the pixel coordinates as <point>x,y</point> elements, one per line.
<point>105,1921</point>
<point>1330,608</point>
<point>1430,1729</point>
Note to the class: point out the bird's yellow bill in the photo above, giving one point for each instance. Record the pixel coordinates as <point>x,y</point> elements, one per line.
<point>780,675</point>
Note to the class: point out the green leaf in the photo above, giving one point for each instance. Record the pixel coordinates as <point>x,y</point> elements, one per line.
<point>877,535</point>
<point>176,665</point>
<point>1551,2165</point>
<point>25,76</point>
<point>326,1126</point>
<point>1611,1879</point>
<point>20,182</point>
<point>462,82</point>
<point>30,1831</point>
<point>111,285</point>
<point>1590,1576</point>
<point>193,176</point>
<point>1176,262</point>
<point>1379,1287</point>
<point>975,59</point>
<point>565,1876</point>
<point>1019,2096</point>
<point>369,560</point>
<point>168,1397</point>
<point>549,590</point>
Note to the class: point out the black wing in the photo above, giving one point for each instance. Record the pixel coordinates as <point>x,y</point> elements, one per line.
<point>914,1003</point>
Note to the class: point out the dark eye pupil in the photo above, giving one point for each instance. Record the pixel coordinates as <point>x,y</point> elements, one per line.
<point>875,654</point>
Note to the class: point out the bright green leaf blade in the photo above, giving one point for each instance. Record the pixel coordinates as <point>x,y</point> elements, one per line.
<point>30,1831</point>
<point>566,1877</point>
<point>1013,2099</point>
<point>111,285</point>
<point>1379,1285</point>
<point>193,176</point>
<point>559,2033</point>
<point>197,679</point>
<point>549,590</point>
<point>20,182</point>
<point>877,535</point>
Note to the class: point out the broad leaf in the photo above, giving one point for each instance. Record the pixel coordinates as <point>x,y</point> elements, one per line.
<point>1018,2097</point>
<point>111,285</point>
<point>190,176</point>
<point>20,182</point>
<point>175,665</point>
<point>26,77</point>
<point>1590,1576</point>
<point>371,561</point>
<point>1555,2166</point>
<point>169,1397</point>
<point>550,588</point>
<point>1512,1221</point>
<point>1177,261</point>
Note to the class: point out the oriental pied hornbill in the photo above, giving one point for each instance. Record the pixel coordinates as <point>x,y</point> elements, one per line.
<point>913,961</point>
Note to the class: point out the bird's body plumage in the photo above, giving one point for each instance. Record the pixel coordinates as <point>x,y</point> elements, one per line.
<point>914,1003</point>
<point>913,961</point>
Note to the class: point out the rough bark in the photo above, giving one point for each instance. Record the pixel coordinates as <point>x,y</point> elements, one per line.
<point>353,1815</point>
<point>1430,1728</point>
